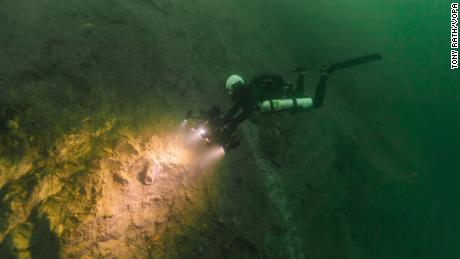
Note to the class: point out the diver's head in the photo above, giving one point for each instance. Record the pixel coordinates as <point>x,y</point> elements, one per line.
<point>233,82</point>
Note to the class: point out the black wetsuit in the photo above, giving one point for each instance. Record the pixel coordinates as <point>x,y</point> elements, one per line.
<point>244,99</point>
<point>266,87</point>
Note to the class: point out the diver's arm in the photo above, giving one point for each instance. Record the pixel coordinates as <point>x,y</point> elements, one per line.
<point>232,111</point>
<point>242,116</point>
<point>232,121</point>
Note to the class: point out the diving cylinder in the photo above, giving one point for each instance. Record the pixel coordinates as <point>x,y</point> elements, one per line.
<point>292,104</point>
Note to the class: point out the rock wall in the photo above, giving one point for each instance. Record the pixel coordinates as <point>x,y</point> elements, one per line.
<point>91,95</point>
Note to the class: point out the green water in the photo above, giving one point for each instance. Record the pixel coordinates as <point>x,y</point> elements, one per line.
<point>372,174</point>
<point>414,38</point>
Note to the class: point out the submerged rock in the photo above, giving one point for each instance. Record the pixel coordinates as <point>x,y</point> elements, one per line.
<point>151,172</point>
<point>120,177</point>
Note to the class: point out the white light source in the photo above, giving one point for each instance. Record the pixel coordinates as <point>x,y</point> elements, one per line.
<point>202,131</point>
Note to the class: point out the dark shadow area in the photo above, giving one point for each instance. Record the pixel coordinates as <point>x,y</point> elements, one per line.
<point>44,243</point>
<point>6,250</point>
<point>32,238</point>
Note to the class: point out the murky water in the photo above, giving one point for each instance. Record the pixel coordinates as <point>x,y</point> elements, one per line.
<point>372,174</point>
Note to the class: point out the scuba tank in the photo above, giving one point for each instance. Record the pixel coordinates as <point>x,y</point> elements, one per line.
<point>290,104</point>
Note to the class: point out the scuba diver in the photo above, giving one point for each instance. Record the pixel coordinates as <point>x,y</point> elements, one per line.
<point>270,93</point>
<point>267,93</point>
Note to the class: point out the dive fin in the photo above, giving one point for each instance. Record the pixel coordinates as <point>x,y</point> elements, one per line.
<point>351,62</point>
